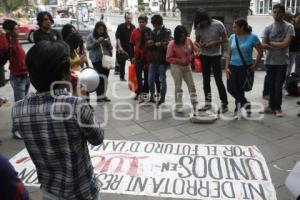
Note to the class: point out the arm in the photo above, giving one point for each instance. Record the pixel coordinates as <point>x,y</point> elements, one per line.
<point>118,36</point>
<point>259,55</point>
<point>36,37</point>
<point>265,43</point>
<point>171,58</point>
<point>89,127</point>
<point>108,45</point>
<point>282,45</point>
<point>221,41</point>
<point>227,61</point>
<point>91,43</point>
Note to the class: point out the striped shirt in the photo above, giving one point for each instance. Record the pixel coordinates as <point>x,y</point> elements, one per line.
<point>56,129</point>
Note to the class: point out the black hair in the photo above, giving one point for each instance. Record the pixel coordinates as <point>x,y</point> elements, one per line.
<point>280,7</point>
<point>243,23</point>
<point>74,40</point>
<point>201,15</point>
<point>145,34</point>
<point>143,17</point>
<point>178,32</point>
<point>288,17</point>
<point>40,18</point>
<point>9,25</point>
<point>66,31</point>
<point>48,62</point>
<point>96,34</point>
<point>157,19</point>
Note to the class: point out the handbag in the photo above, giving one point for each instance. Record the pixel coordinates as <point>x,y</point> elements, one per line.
<point>249,79</point>
<point>108,62</point>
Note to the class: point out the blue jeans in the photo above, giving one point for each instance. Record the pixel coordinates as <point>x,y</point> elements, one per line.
<point>20,85</point>
<point>154,71</point>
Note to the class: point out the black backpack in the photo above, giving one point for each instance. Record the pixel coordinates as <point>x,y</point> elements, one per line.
<point>292,82</point>
<point>4,56</point>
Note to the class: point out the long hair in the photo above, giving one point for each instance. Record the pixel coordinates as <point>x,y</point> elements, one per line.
<point>66,31</point>
<point>201,15</point>
<point>40,18</point>
<point>145,34</point>
<point>97,26</point>
<point>178,32</point>
<point>74,41</point>
<point>243,23</point>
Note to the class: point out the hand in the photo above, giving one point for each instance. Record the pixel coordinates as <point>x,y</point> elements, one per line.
<point>83,59</point>
<point>197,47</point>
<point>253,67</point>
<point>228,72</point>
<point>120,49</point>
<point>100,39</point>
<point>157,44</point>
<point>132,60</point>
<point>186,62</point>
<point>150,42</point>
<point>209,44</point>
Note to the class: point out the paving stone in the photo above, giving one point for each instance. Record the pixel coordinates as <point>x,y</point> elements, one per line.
<point>189,128</point>
<point>131,130</point>
<point>207,137</point>
<point>273,152</point>
<point>248,139</point>
<point>154,125</point>
<point>167,134</point>
<point>290,143</point>
<point>143,137</point>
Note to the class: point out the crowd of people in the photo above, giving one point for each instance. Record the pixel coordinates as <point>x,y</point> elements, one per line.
<point>58,148</point>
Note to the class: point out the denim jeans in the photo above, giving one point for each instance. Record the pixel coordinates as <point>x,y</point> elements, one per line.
<point>154,71</point>
<point>103,84</point>
<point>20,85</point>
<point>235,85</point>
<point>276,75</point>
<point>213,62</point>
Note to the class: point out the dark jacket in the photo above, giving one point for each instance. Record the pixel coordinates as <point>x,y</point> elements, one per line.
<point>158,54</point>
<point>41,35</point>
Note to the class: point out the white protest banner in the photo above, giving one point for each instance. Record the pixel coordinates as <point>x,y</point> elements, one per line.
<point>176,170</point>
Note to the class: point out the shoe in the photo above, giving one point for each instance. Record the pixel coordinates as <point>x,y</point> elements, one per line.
<point>266,97</point>
<point>160,103</point>
<point>105,99</point>
<point>205,108</point>
<point>248,109</point>
<point>268,110</point>
<point>279,113</point>
<point>298,115</point>
<point>223,109</point>
<point>141,99</point>
<point>136,97</point>
<point>17,135</point>
<point>152,101</point>
<point>179,109</point>
<point>298,102</point>
<point>99,100</point>
<point>122,79</point>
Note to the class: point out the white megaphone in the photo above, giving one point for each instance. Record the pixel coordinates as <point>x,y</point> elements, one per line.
<point>88,79</point>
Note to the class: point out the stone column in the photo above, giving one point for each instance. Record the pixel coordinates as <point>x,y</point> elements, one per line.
<point>224,10</point>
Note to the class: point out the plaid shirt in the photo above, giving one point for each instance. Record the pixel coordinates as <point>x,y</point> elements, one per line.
<point>55,129</point>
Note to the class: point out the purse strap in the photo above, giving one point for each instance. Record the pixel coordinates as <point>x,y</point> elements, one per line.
<point>239,50</point>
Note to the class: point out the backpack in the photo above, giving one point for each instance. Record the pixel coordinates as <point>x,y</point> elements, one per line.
<point>292,84</point>
<point>4,57</point>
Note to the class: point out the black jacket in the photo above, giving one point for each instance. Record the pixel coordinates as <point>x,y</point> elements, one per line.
<point>41,35</point>
<point>158,54</point>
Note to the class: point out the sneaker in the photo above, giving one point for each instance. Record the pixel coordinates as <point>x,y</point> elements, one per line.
<point>17,135</point>
<point>152,101</point>
<point>279,113</point>
<point>141,99</point>
<point>205,108</point>
<point>99,100</point>
<point>266,97</point>
<point>179,109</point>
<point>160,103</point>
<point>248,109</point>
<point>298,102</point>
<point>122,79</point>
<point>136,97</point>
<point>298,115</point>
<point>268,110</point>
<point>223,109</point>
<point>105,99</point>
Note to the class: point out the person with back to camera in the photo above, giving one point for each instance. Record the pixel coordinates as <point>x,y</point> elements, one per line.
<point>56,126</point>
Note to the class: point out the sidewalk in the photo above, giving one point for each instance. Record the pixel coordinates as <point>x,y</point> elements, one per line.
<point>277,138</point>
